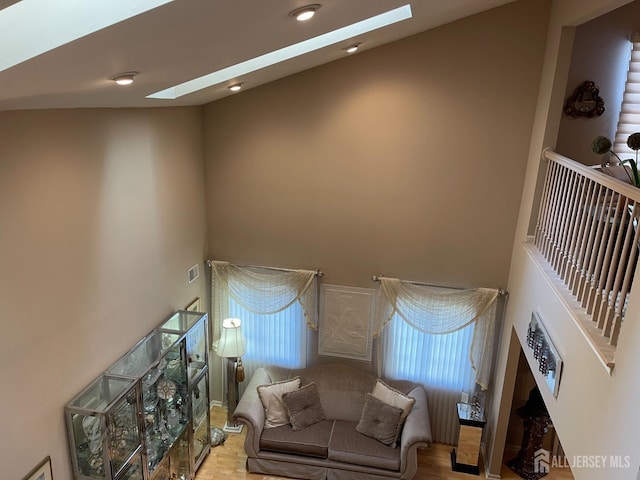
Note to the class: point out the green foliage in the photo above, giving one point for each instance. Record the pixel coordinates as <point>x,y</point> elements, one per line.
<point>633,142</point>
<point>601,145</point>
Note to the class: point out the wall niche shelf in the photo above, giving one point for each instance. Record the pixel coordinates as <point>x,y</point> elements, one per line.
<point>147,416</point>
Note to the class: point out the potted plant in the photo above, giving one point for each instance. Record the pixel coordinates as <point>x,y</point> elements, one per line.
<point>602,145</point>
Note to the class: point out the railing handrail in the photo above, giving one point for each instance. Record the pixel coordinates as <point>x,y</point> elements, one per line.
<point>626,189</point>
<point>589,231</point>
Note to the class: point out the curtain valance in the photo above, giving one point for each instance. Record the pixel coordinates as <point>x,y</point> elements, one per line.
<point>261,292</point>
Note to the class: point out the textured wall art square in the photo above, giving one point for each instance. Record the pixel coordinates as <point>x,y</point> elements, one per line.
<point>345,322</point>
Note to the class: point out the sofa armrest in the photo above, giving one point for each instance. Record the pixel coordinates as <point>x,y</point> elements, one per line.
<point>415,433</point>
<point>250,411</point>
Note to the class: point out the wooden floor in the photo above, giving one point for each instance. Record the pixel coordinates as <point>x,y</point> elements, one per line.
<point>228,461</point>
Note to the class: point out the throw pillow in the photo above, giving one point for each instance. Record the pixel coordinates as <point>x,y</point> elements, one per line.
<point>393,397</point>
<point>275,413</point>
<point>379,420</point>
<point>303,406</point>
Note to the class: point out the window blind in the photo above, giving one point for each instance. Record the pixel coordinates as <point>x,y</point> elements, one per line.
<point>439,362</point>
<point>272,339</point>
<point>629,120</point>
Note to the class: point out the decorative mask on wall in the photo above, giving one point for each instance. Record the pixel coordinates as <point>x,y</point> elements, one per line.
<point>585,101</point>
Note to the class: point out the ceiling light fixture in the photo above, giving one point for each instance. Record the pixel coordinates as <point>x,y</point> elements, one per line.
<point>335,37</point>
<point>125,78</point>
<point>236,88</point>
<point>353,48</point>
<point>303,14</point>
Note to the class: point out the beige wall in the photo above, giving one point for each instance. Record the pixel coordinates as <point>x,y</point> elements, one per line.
<point>406,160</point>
<point>101,215</point>
<point>595,413</point>
<point>600,53</point>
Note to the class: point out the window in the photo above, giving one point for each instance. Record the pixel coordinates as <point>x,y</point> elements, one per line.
<point>629,120</point>
<point>272,339</point>
<point>439,362</point>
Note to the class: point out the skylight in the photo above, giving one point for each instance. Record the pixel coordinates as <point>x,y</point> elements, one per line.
<point>286,53</point>
<point>32,27</point>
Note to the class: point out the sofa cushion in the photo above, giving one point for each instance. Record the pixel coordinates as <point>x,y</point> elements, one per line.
<point>396,398</point>
<point>393,397</point>
<point>347,445</point>
<point>379,420</point>
<point>313,441</point>
<point>303,406</point>
<point>275,413</point>
<point>341,388</point>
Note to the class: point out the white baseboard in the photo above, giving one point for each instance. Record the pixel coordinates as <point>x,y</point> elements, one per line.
<point>215,403</point>
<point>488,476</point>
<point>232,428</point>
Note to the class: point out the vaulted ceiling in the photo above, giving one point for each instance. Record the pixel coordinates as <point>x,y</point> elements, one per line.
<point>186,39</point>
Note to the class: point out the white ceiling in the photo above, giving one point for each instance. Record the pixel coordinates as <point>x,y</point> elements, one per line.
<point>185,39</point>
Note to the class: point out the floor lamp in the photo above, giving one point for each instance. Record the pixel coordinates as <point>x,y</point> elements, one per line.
<point>232,346</point>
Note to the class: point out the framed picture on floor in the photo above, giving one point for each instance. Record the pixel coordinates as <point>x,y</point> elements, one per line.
<point>41,472</point>
<point>194,306</point>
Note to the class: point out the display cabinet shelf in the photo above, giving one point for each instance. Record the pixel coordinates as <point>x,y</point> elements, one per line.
<point>147,416</point>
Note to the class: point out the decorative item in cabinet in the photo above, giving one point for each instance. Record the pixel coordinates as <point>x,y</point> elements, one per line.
<point>162,472</point>
<point>179,461</point>
<point>103,426</point>
<point>134,472</point>
<point>194,326</point>
<point>201,423</point>
<point>159,362</point>
<point>166,404</point>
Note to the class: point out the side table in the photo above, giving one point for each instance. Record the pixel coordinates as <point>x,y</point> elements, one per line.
<point>466,458</point>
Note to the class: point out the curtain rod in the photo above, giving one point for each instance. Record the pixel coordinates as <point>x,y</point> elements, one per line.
<point>376,278</point>
<point>319,273</point>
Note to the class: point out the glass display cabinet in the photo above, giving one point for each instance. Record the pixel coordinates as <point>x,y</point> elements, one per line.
<point>194,329</point>
<point>104,425</point>
<point>147,416</point>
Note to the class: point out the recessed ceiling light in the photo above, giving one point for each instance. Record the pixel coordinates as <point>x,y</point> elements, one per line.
<point>353,48</point>
<point>355,30</point>
<point>236,88</point>
<point>125,78</point>
<point>303,14</point>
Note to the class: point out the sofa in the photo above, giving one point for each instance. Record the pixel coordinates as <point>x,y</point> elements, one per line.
<point>332,448</point>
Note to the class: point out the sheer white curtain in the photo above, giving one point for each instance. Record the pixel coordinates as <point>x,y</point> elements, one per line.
<point>277,308</point>
<point>441,338</point>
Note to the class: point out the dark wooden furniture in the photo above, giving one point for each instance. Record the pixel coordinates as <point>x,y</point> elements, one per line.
<point>532,461</point>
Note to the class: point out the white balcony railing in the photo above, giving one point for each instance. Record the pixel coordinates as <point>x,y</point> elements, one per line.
<point>588,232</point>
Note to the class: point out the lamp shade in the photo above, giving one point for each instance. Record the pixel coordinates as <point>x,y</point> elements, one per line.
<point>232,342</point>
